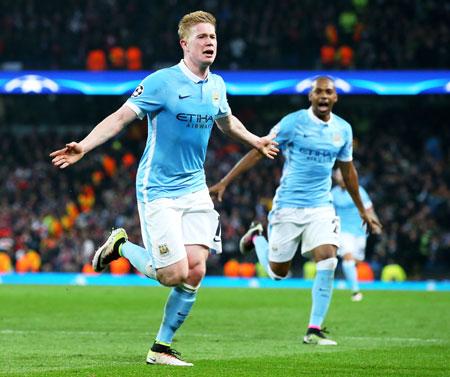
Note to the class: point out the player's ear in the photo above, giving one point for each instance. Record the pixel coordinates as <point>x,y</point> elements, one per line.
<point>183,43</point>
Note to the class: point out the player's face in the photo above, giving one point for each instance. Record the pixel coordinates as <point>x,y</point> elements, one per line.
<point>201,45</point>
<point>323,97</point>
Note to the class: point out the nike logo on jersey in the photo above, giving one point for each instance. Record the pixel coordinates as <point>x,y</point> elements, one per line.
<point>183,97</point>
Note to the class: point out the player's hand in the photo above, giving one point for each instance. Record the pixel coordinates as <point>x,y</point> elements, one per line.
<point>267,146</point>
<point>67,156</point>
<point>217,190</point>
<point>372,222</point>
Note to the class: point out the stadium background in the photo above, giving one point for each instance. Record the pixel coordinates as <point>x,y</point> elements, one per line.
<point>401,142</point>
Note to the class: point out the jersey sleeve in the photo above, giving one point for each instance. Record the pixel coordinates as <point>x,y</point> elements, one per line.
<point>224,107</point>
<point>365,198</point>
<point>283,129</point>
<point>149,96</point>
<point>346,152</point>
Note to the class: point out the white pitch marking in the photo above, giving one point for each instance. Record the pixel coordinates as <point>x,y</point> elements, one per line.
<point>394,339</point>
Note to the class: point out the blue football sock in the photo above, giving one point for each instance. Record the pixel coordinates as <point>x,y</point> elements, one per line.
<point>139,257</point>
<point>349,268</point>
<point>262,251</point>
<point>177,308</point>
<point>321,291</point>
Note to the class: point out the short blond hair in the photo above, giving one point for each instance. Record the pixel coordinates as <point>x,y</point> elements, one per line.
<point>192,19</point>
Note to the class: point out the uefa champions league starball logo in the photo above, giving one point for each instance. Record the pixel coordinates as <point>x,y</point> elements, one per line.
<point>31,84</point>
<point>138,91</point>
<point>447,87</point>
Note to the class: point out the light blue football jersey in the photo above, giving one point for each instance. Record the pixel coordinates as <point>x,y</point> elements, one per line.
<point>310,147</point>
<point>181,110</point>
<point>345,208</point>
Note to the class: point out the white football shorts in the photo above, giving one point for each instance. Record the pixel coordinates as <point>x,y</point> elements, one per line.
<point>310,226</point>
<point>168,224</point>
<point>351,244</point>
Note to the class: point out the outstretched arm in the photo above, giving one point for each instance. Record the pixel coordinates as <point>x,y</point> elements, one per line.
<point>244,164</point>
<point>233,127</point>
<point>106,129</point>
<point>350,176</point>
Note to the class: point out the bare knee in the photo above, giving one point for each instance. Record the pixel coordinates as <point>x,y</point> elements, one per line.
<point>170,280</point>
<point>323,252</point>
<point>280,269</point>
<point>348,257</point>
<point>197,256</point>
<point>173,275</point>
<point>177,274</point>
<point>196,274</point>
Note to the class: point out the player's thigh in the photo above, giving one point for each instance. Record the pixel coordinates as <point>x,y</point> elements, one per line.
<point>347,244</point>
<point>351,244</point>
<point>323,228</point>
<point>162,232</point>
<point>200,222</point>
<point>360,252</point>
<point>284,238</point>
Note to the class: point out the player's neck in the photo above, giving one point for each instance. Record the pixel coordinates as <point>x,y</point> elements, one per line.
<point>199,71</point>
<point>323,117</point>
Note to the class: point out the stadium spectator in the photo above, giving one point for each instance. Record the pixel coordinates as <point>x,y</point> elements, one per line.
<point>96,60</point>
<point>327,56</point>
<point>117,57</point>
<point>134,58</point>
<point>345,57</point>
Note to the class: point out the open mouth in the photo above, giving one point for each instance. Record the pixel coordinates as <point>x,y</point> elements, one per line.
<point>208,53</point>
<point>323,106</point>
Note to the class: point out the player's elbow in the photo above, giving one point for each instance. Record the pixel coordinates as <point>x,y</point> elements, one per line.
<point>123,117</point>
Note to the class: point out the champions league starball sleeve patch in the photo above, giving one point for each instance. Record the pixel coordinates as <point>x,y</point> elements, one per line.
<point>138,91</point>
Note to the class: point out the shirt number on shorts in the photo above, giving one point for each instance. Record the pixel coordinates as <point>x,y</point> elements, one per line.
<point>218,234</point>
<point>335,222</point>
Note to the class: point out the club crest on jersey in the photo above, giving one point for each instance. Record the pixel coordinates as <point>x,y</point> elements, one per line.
<point>215,96</point>
<point>163,249</point>
<point>337,139</point>
<point>138,91</point>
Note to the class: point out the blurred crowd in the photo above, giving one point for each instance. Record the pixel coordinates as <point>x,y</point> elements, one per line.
<point>281,34</point>
<point>63,215</point>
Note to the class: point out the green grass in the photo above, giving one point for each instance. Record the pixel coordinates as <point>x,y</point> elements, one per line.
<point>106,331</point>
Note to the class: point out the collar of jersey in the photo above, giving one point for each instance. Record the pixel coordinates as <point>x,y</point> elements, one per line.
<point>190,75</point>
<point>318,121</point>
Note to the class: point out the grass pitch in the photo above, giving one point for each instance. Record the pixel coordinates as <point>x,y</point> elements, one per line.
<point>106,331</point>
